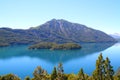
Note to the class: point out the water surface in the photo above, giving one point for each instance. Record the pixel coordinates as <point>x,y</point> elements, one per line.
<point>19,60</point>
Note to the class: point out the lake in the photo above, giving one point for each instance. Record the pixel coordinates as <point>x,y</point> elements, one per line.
<point>19,60</point>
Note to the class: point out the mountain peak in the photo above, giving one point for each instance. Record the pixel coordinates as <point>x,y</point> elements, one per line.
<point>73,32</point>
<point>52,22</point>
<point>58,20</point>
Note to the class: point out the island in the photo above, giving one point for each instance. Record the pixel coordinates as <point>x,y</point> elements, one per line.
<point>4,44</point>
<point>55,46</point>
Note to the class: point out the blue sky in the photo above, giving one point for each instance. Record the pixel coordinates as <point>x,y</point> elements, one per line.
<point>98,14</point>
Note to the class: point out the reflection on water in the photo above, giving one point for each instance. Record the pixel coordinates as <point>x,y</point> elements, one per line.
<point>53,56</point>
<point>19,60</point>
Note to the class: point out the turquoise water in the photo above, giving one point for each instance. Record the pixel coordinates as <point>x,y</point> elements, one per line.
<point>19,60</point>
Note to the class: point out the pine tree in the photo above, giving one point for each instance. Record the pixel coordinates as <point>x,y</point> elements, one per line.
<point>99,72</point>
<point>54,74</point>
<point>109,72</point>
<point>81,75</point>
<point>60,69</point>
<point>39,73</point>
<point>60,72</point>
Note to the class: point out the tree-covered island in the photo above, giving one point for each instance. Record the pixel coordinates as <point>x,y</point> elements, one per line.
<point>55,46</point>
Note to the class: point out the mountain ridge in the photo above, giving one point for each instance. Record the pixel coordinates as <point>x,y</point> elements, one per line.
<point>116,36</point>
<point>59,31</point>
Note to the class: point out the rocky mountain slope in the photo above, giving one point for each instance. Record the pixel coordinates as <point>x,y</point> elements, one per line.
<point>54,31</point>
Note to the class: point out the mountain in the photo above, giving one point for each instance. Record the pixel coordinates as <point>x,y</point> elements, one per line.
<point>54,31</point>
<point>16,36</point>
<point>116,36</point>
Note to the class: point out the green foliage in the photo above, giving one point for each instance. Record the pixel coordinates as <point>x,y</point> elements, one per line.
<point>72,77</point>
<point>55,46</point>
<point>104,70</point>
<point>116,77</point>
<point>54,74</point>
<point>60,71</point>
<point>9,77</point>
<point>40,74</point>
<point>117,72</point>
<point>99,71</point>
<point>81,75</point>
<point>108,70</point>
<point>27,78</point>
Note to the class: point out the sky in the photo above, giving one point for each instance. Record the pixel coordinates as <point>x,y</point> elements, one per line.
<point>102,15</point>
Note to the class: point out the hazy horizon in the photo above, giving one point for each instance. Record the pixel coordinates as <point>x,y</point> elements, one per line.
<point>101,15</point>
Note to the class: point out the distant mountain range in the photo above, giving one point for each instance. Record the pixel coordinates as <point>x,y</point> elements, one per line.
<point>59,31</point>
<point>116,36</point>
